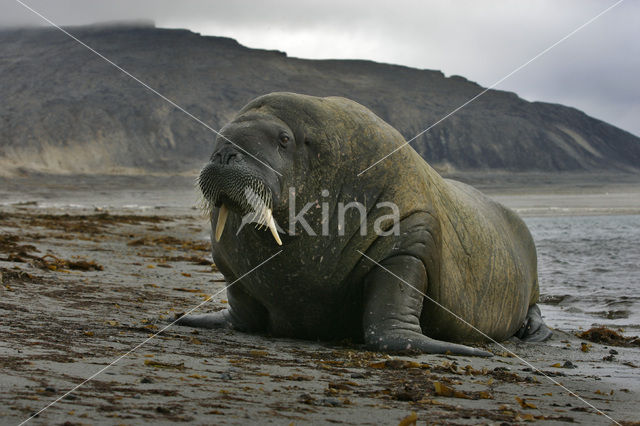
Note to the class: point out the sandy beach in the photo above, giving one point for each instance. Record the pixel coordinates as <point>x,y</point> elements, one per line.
<point>85,288</point>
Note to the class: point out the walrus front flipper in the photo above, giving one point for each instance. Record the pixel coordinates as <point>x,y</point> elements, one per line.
<point>244,314</point>
<point>392,310</point>
<point>534,329</point>
<point>218,319</point>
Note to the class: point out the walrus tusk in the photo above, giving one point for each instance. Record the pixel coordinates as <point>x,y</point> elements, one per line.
<point>222,219</point>
<point>272,227</point>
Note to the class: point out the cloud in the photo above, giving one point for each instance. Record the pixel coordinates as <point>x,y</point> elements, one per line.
<point>595,70</point>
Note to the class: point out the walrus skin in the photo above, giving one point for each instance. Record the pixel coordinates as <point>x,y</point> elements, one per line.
<point>463,250</point>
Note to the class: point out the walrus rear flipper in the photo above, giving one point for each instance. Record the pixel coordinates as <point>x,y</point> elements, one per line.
<point>392,310</point>
<point>534,329</point>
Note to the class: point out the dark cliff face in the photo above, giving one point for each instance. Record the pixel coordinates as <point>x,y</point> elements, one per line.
<point>64,109</point>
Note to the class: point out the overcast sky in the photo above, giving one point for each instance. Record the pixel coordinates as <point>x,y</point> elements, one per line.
<point>596,70</point>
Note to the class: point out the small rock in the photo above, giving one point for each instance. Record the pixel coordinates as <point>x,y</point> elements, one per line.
<point>146,380</point>
<point>330,402</point>
<point>357,376</point>
<point>613,352</point>
<point>50,389</point>
<point>163,410</point>
<point>609,358</point>
<point>569,364</point>
<point>306,398</point>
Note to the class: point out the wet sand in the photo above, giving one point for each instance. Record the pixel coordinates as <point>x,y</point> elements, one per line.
<point>548,194</point>
<point>83,286</point>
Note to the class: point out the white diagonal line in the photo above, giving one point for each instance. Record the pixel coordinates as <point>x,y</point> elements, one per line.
<point>493,340</point>
<point>151,89</point>
<point>493,85</point>
<point>145,341</point>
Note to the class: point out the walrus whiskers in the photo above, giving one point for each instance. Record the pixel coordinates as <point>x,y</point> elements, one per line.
<point>256,200</point>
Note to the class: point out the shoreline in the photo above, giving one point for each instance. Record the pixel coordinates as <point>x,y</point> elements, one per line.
<point>528,194</point>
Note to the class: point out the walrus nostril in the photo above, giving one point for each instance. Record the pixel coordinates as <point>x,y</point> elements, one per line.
<point>225,156</point>
<point>231,157</point>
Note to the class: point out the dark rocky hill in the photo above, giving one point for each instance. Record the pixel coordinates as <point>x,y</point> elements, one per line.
<point>64,109</point>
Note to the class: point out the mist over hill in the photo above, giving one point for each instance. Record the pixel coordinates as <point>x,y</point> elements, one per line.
<point>65,110</point>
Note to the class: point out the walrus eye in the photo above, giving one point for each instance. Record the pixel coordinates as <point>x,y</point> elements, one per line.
<point>284,139</point>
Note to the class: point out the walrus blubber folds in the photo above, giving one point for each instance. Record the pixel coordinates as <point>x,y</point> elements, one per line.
<point>458,247</point>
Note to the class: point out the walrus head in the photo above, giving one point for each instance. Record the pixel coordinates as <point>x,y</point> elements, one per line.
<point>285,148</point>
<point>243,173</point>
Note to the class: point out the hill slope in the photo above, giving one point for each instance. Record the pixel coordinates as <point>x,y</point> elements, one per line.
<point>64,109</point>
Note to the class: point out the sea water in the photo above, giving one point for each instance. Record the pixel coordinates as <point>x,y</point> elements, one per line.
<point>588,265</point>
<point>588,269</point>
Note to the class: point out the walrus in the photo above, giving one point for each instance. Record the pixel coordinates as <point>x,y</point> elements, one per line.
<point>450,268</point>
